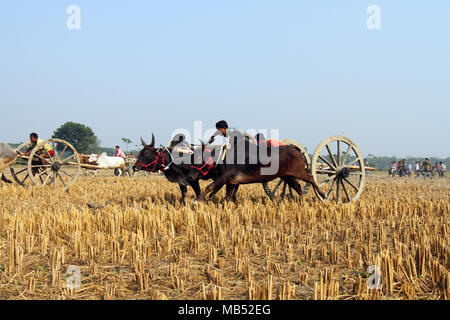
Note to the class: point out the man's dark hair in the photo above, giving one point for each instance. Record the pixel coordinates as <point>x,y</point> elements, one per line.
<point>34,135</point>
<point>117,147</point>
<point>222,124</point>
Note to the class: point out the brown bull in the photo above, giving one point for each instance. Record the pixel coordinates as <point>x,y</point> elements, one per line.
<point>291,166</point>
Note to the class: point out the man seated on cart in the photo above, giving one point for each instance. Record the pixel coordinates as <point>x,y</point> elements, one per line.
<point>45,151</point>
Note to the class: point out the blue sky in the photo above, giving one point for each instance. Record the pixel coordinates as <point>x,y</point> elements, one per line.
<point>309,68</point>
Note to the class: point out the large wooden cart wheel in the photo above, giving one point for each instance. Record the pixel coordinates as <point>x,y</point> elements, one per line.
<point>338,169</point>
<point>61,168</point>
<point>278,188</point>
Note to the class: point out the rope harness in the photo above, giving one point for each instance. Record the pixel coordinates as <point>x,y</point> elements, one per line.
<point>160,153</point>
<point>208,163</point>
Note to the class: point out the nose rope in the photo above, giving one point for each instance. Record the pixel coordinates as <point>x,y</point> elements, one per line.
<point>209,164</point>
<point>148,165</point>
<point>155,162</point>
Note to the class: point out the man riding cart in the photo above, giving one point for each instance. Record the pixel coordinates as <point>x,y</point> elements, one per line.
<point>45,151</point>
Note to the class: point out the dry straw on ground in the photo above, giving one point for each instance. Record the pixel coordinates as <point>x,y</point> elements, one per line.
<point>132,239</point>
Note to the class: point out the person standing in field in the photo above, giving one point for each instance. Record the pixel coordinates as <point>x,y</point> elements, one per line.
<point>409,169</point>
<point>366,164</point>
<point>401,168</point>
<point>119,153</point>
<point>427,168</point>
<point>436,169</point>
<point>443,169</point>
<point>392,169</point>
<point>418,169</point>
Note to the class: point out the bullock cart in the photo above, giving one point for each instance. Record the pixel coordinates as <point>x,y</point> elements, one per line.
<point>40,168</point>
<point>337,166</point>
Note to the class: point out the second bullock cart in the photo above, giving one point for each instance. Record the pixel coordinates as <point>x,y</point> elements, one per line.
<point>40,168</point>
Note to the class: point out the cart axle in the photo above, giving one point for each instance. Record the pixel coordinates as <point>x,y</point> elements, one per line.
<point>343,173</point>
<point>56,166</point>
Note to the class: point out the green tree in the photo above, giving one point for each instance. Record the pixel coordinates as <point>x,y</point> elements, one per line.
<point>80,136</point>
<point>127,142</point>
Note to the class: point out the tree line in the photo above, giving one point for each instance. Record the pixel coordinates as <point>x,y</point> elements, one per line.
<point>82,138</point>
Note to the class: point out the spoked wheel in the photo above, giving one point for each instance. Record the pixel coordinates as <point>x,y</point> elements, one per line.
<point>19,171</point>
<point>338,169</point>
<point>278,188</point>
<point>58,170</point>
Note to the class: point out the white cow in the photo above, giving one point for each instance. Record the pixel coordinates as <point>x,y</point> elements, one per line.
<point>105,162</point>
<point>7,156</point>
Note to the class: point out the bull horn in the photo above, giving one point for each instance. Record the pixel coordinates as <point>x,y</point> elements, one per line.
<point>153,141</point>
<point>143,143</point>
